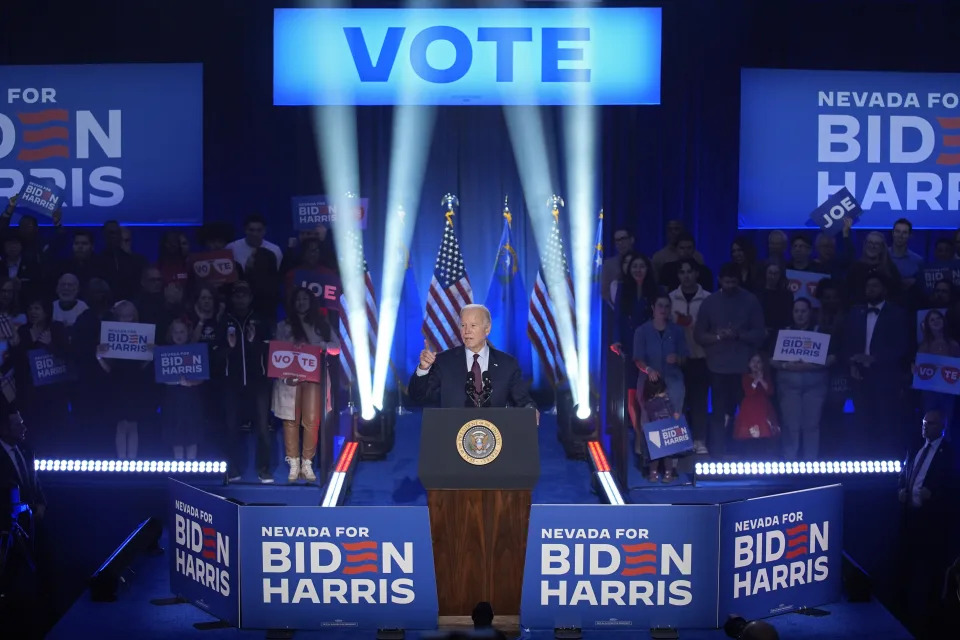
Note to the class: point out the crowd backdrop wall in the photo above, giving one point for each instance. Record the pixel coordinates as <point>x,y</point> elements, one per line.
<point>675,160</point>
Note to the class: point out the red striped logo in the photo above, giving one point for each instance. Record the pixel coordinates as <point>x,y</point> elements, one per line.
<point>209,543</point>
<point>797,541</point>
<point>361,557</point>
<point>43,129</point>
<point>951,140</point>
<point>641,559</point>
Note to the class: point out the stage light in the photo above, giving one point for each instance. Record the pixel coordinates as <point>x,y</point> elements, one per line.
<point>375,435</point>
<point>341,475</point>
<point>130,466</point>
<point>807,467</point>
<point>583,411</point>
<point>105,580</point>
<point>601,468</point>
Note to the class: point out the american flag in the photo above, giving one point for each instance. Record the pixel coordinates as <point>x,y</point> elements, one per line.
<point>346,342</point>
<point>542,318</point>
<point>449,292</point>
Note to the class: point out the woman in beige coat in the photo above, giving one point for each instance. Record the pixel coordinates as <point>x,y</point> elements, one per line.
<point>298,404</point>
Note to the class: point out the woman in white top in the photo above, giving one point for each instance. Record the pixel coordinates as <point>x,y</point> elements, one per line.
<point>299,403</point>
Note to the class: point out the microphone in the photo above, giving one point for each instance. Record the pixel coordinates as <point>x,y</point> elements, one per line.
<point>471,390</point>
<point>487,390</point>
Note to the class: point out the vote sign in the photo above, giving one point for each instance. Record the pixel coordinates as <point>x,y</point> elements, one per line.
<point>287,360</point>
<point>803,284</point>
<point>830,215</point>
<point>667,437</point>
<point>46,368</point>
<point>213,267</point>
<point>310,212</point>
<point>187,361</point>
<point>40,195</point>
<point>937,373</point>
<point>325,286</point>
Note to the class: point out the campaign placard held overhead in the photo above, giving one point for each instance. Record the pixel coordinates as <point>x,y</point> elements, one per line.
<point>359,567</point>
<point>46,368</point>
<point>127,340</point>
<point>779,553</point>
<point>310,212</point>
<point>936,373</point>
<point>40,195</point>
<point>667,437</point>
<point>325,286</point>
<point>830,215</point>
<point>801,346</point>
<point>186,361</point>
<point>287,360</point>
<point>626,567</point>
<point>213,267</point>
<point>205,563</point>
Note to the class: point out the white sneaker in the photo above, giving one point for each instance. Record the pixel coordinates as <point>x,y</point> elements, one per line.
<point>306,468</point>
<point>700,448</point>
<point>294,474</point>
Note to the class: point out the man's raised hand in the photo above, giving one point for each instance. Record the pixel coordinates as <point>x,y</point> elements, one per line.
<point>427,356</point>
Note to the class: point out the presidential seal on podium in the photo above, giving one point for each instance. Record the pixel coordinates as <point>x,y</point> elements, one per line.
<point>479,442</point>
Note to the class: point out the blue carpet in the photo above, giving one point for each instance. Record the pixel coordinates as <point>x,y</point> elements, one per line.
<point>133,616</point>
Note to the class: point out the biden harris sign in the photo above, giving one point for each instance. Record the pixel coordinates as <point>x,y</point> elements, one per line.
<point>466,56</point>
<point>891,139</point>
<point>122,141</point>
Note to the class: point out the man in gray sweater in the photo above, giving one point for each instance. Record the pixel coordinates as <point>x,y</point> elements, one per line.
<point>730,328</point>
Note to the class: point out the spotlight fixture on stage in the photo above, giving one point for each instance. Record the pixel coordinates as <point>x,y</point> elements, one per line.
<point>739,629</point>
<point>106,580</point>
<point>809,467</point>
<point>573,432</point>
<point>132,466</point>
<point>375,435</point>
<point>341,476</point>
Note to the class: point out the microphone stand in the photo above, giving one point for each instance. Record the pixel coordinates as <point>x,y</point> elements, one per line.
<point>484,400</point>
<point>471,390</point>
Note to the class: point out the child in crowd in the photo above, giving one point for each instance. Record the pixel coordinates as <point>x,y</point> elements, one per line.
<point>756,421</point>
<point>658,406</point>
<point>182,403</point>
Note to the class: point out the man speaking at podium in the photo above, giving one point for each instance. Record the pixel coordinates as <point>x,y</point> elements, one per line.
<point>471,375</point>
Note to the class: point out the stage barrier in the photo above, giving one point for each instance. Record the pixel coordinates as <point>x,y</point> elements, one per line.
<point>587,566</point>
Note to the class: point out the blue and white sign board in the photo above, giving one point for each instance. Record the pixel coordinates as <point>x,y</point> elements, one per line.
<point>587,55</point>
<point>890,138</point>
<point>186,361</point>
<point>779,553</point>
<point>668,437</point>
<point>40,195</point>
<point>830,215</point>
<point>204,565</point>
<point>635,566</point>
<point>353,567</point>
<point>46,368</point>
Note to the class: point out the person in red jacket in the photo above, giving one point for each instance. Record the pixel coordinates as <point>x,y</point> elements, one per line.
<point>756,421</point>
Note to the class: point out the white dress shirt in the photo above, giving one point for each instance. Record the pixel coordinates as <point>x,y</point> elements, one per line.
<point>872,322</point>
<point>242,251</point>
<point>484,360</point>
<point>921,474</point>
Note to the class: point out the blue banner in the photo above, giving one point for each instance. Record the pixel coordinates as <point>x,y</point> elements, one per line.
<point>890,138</point>
<point>314,568</point>
<point>118,151</point>
<point>325,286</point>
<point>830,215</point>
<point>187,361</point>
<point>949,272</point>
<point>779,553</point>
<point>204,565</point>
<point>637,566</point>
<point>46,368</point>
<point>667,437</point>
<point>310,212</point>
<point>936,373</point>
<point>466,56</point>
<point>40,195</point>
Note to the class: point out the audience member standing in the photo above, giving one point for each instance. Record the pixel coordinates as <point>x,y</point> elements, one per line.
<point>172,258</point>
<point>743,254</point>
<point>776,301</point>
<point>659,350</point>
<point>777,247</point>
<point>68,307</point>
<point>670,252</point>
<point>612,269</point>
<point>633,306</point>
<point>874,259</point>
<point>935,341</point>
<point>756,427</point>
<point>908,263</point>
<point>685,302</point>
<point>181,404</point>
<point>26,274</point>
<point>82,264</point>
<point>730,328</point>
<point>686,249</point>
<point>831,319</point>
<point>255,231</point>
<point>120,267</point>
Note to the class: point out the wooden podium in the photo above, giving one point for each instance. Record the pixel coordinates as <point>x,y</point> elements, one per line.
<point>479,467</point>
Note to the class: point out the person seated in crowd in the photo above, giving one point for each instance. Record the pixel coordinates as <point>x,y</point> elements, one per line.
<point>255,231</point>
<point>68,307</point>
<point>685,302</point>
<point>685,249</point>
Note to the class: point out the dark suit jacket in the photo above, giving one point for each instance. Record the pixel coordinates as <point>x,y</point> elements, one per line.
<point>445,385</point>
<point>32,496</point>
<point>939,479</point>
<point>893,336</point>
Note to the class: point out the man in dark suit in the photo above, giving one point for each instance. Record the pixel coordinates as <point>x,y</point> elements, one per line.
<point>441,378</point>
<point>877,344</point>
<point>17,463</point>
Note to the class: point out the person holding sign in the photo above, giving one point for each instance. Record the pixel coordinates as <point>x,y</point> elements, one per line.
<point>303,404</point>
<point>803,389</point>
<point>936,342</point>
<point>181,404</point>
<point>659,350</point>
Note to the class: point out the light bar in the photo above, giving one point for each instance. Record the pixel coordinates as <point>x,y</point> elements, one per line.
<point>601,467</point>
<point>338,478</point>
<point>813,467</point>
<point>131,466</point>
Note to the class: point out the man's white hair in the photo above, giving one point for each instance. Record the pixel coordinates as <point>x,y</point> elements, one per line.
<point>478,307</point>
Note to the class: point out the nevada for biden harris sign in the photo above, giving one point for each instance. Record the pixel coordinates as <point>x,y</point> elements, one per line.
<point>122,141</point>
<point>890,139</point>
<point>466,56</point>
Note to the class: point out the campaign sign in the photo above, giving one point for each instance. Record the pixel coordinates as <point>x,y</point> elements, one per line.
<point>582,55</point>
<point>361,567</point>
<point>116,150</point>
<point>803,284</point>
<point>635,566</point>
<point>127,340</point>
<point>213,267</point>
<point>40,195</point>
<point>782,552</point>
<point>310,212</point>
<point>830,215</point>
<point>46,368</point>
<point>889,138</point>
<point>205,563</point>
<point>802,346</point>
<point>949,272</point>
<point>922,315</point>
<point>287,360</point>
<point>667,437</point>
<point>936,373</point>
<point>325,286</point>
<point>187,361</point>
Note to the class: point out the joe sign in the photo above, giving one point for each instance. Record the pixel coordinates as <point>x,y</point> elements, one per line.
<point>782,552</point>
<point>205,565</point>
<point>287,360</point>
<point>325,286</point>
<point>829,216</point>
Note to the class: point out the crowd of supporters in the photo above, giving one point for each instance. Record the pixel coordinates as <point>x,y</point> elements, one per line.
<point>702,341</point>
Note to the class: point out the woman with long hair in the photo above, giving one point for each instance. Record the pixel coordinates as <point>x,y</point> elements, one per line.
<point>937,342</point>
<point>302,404</point>
<point>632,307</point>
<point>743,253</point>
<point>172,257</point>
